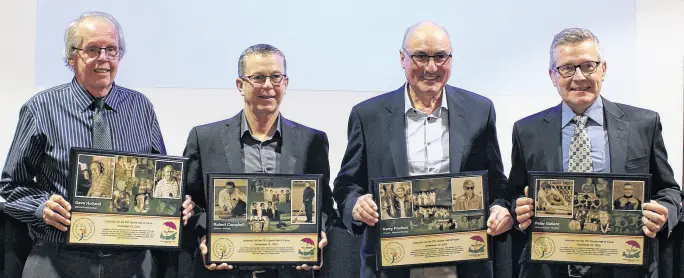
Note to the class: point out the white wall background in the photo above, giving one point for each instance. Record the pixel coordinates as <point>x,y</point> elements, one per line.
<point>504,57</point>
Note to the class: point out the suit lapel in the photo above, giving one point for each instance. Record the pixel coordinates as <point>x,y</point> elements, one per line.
<point>230,136</point>
<point>551,146</point>
<point>395,125</point>
<point>458,128</point>
<point>618,134</point>
<point>288,151</point>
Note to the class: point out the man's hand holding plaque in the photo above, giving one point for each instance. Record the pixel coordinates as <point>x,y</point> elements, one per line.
<point>56,212</point>
<point>365,210</point>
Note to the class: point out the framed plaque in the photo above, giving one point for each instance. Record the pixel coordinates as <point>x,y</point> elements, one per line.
<point>125,199</point>
<point>432,220</point>
<point>263,219</point>
<point>588,218</point>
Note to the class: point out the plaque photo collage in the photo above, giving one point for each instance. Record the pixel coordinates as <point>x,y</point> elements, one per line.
<point>126,184</point>
<point>431,206</point>
<point>267,205</point>
<point>589,205</point>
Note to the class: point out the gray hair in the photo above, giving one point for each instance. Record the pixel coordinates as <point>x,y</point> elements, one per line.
<point>71,39</point>
<point>419,24</point>
<point>261,49</point>
<point>573,36</point>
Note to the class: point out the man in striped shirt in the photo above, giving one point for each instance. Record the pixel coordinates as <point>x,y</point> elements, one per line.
<point>90,111</point>
<point>167,187</point>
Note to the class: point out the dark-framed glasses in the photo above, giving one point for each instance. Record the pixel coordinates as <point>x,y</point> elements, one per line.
<point>586,68</point>
<point>276,79</point>
<point>422,59</point>
<point>93,52</point>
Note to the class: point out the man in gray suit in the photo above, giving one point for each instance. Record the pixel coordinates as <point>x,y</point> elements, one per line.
<point>424,127</point>
<point>256,140</point>
<point>621,139</point>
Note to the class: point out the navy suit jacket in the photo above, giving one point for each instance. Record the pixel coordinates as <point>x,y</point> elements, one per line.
<point>636,146</point>
<point>377,148</point>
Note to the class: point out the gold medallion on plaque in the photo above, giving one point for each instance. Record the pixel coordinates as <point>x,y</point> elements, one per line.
<point>544,247</point>
<point>223,249</point>
<point>393,252</point>
<point>83,229</point>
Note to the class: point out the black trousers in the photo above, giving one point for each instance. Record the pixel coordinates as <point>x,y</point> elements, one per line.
<point>48,260</point>
<point>308,207</point>
<point>469,270</point>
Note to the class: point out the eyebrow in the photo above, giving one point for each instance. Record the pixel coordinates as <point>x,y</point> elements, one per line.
<point>423,52</point>
<point>94,44</point>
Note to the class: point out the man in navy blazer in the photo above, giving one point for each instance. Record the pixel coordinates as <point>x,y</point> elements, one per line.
<point>623,139</point>
<point>424,127</point>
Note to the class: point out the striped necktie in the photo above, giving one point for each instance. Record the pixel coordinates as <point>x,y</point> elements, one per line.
<point>102,135</point>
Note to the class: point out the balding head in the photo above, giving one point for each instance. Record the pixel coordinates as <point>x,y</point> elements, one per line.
<point>422,28</point>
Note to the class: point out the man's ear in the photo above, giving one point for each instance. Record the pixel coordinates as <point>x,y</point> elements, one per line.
<point>239,83</point>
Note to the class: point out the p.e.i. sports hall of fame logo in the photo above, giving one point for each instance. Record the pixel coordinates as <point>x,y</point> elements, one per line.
<point>544,247</point>
<point>633,251</point>
<point>222,249</point>
<point>82,229</point>
<point>393,252</point>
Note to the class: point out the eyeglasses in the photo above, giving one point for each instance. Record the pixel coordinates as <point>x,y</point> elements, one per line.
<point>94,52</point>
<point>469,188</point>
<point>276,79</point>
<point>422,59</point>
<point>587,68</point>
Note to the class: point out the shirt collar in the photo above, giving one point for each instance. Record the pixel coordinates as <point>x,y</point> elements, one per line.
<point>244,127</point>
<point>407,100</point>
<point>594,112</point>
<point>112,100</point>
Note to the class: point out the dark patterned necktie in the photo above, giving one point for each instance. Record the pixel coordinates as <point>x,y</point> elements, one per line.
<point>579,160</point>
<point>102,136</point>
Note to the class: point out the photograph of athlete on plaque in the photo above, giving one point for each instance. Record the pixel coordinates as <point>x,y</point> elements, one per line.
<point>303,202</point>
<point>554,198</point>
<point>230,199</point>
<point>467,193</point>
<point>167,180</point>
<point>628,195</point>
<point>95,176</point>
<point>396,200</point>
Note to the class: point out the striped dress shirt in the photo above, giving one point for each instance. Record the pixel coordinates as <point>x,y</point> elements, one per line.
<point>50,124</point>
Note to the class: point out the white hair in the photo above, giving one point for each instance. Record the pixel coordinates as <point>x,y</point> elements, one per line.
<point>72,40</point>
